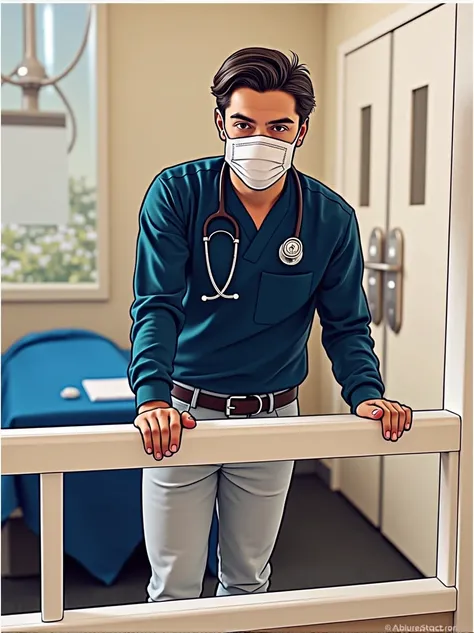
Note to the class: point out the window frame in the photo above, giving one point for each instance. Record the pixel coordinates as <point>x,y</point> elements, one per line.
<point>99,291</point>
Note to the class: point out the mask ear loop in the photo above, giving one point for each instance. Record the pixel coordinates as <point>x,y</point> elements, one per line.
<point>299,131</point>
<point>297,138</point>
<point>223,131</point>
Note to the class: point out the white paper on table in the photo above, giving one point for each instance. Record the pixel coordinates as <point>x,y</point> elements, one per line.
<point>108,389</point>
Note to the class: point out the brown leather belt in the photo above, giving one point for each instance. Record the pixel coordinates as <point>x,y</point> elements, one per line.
<point>235,405</point>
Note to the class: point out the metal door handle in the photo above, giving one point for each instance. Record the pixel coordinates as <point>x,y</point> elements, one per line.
<point>384,268</point>
<point>374,279</point>
<point>385,278</point>
<point>393,290</point>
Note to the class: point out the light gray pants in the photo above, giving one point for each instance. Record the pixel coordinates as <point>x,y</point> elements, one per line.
<point>178,505</point>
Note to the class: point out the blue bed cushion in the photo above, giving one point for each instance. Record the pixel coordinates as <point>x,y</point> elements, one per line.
<point>43,363</point>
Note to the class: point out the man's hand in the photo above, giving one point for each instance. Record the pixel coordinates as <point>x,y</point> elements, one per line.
<point>396,418</point>
<point>161,426</point>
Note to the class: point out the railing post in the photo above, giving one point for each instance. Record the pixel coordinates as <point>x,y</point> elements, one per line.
<point>448,518</point>
<point>51,532</point>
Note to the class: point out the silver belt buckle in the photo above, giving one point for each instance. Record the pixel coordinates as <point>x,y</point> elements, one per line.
<point>229,407</point>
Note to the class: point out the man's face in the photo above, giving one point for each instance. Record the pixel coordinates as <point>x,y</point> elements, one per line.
<point>252,113</point>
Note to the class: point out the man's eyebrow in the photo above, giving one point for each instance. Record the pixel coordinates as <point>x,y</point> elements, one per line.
<point>242,117</point>
<point>279,121</point>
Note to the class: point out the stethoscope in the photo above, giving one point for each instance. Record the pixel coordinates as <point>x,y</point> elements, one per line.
<point>290,252</point>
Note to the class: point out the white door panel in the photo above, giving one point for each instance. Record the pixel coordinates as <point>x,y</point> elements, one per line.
<point>419,199</point>
<point>366,127</point>
<point>366,132</point>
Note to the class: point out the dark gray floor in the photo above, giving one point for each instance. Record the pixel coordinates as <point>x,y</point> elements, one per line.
<point>323,542</point>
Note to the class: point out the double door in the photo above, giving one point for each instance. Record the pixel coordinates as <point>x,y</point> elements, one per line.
<point>398,113</point>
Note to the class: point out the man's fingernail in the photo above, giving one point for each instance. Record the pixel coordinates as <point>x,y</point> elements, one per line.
<point>158,455</point>
<point>387,435</point>
<point>148,450</point>
<point>399,433</point>
<point>394,436</point>
<point>167,454</point>
<point>407,426</point>
<point>174,448</point>
<point>375,411</point>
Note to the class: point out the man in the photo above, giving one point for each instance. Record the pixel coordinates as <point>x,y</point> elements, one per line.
<point>209,344</point>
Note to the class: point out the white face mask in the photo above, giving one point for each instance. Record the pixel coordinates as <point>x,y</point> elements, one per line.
<point>259,161</point>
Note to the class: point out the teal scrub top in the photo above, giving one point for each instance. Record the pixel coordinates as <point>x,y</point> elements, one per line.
<point>256,344</point>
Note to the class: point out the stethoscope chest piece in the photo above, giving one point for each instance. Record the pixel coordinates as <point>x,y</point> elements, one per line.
<point>291,251</point>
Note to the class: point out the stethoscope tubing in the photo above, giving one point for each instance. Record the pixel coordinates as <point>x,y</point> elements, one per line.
<point>222,214</point>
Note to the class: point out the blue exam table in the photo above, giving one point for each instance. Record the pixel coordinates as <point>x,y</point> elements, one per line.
<point>102,510</point>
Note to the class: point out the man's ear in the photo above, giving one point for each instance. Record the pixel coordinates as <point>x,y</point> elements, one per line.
<point>219,121</point>
<point>302,133</point>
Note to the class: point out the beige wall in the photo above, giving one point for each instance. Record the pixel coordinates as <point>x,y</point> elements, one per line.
<point>160,113</point>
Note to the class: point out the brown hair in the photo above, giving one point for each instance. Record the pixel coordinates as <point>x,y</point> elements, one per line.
<point>264,69</point>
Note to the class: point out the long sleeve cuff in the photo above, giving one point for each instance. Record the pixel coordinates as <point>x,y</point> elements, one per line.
<point>363,393</point>
<point>156,390</point>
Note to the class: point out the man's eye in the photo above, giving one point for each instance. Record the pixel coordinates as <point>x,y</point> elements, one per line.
<point>242,126</point>
<point>280,128</point>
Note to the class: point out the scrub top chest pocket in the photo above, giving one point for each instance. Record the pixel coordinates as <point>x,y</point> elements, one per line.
<point>279,296</point>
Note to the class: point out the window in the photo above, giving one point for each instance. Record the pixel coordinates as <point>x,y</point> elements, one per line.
<point>365,134</point>
<point>419,122</point>
<point>60,261</point>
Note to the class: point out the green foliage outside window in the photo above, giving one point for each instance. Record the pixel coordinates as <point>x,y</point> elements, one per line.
<point>55,254</point>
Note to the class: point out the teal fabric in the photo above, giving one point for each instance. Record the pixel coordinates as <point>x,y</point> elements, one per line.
<point>258,343</point>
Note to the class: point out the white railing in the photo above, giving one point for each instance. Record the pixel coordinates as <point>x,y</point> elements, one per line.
<point>51,452</point>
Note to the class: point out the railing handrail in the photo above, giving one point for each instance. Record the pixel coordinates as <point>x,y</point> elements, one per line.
<point>114,447</point>
<point>50,452</point>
